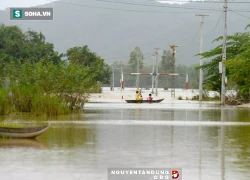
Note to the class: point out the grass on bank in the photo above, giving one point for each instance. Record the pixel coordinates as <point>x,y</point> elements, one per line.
<point>5,104</point>
<point>28,100</point>
<point>206,98</point>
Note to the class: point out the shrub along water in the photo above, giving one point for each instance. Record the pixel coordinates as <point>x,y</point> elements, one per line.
<point>5,104</point>
<point>45,88</point>
<point>26,99</point>
<point>51,105</point>
<point>39,80</point>
<point>22,98</point>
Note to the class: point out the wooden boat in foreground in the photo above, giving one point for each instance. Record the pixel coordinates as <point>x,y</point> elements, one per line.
<point>144,101</point>
<point>29,132</point>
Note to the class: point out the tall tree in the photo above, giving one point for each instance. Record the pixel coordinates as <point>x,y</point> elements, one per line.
<point>165,67</point>
<point>21,46</point>
<point>135,57</point>
<point>165,64</point>
<point>82,55</point>
<point>237,49</point>
<point>11,41</point>
<point>38,78</point>
<point>239,66</point>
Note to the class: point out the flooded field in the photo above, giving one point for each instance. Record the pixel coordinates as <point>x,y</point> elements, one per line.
<point>205,140</point>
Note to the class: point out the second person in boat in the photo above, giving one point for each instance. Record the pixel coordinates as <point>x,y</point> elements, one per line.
<point>150,97</point>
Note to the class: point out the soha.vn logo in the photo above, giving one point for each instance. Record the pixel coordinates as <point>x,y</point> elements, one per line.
<point>17,13</point>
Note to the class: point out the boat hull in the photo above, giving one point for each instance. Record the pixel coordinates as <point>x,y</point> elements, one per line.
<point>31,132</point>
<point>144,101</point>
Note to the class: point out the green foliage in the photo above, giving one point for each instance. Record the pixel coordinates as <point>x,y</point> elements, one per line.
<point>166,62</point>
<point>22,97</point>
<point>18,46</point>
<point>40,81</point>
<point>5,107</point>
<point>33,85</point>
<point>51,105</point>
<point>237,63</point>
<point>240,74</point>
<point>135,57</point>
<point>96,88</point>
<point>205,97</point>
<point>11,40</point>
<point>99,70</point>
<point>166,67</point>
<point>69,82</point>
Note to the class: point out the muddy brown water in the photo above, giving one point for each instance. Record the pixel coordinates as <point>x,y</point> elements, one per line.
<point>206,141</point>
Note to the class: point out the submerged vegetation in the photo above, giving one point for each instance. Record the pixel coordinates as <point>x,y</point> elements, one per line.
<point>36,79</point>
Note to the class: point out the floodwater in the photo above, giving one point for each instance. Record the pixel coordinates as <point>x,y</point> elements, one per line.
<point>205,140</point>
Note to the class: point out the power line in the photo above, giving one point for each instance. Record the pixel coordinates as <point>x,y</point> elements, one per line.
<point>192,41</point>
<point>118,9</point>
<point>190,1</point>
<point>195,36</point>
<point>240,14</point>
<point>168,6</point>
<point>217,22</point>
<point>220,17</point>
<point>159,6</point>
<point>185,33</point>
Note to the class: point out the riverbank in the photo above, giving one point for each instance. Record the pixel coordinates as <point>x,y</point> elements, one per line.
<point>244,105</point>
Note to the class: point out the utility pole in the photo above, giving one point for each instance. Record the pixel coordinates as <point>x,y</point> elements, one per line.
<point>153,70</point>
<point>138,64</point>
<point>223,75</point>
<point>173,70</point>
<point>113,78</point>
<point>201,61</point>
<point>156,78</point>
<point>122,83</point>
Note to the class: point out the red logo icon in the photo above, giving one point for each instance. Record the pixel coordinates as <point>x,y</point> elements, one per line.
<point>175,174</point>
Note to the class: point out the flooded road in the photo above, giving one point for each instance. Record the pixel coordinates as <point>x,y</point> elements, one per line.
<point>205,140</point>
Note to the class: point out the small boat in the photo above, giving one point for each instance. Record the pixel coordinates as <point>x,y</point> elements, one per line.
<point>28,132</point>
<point>144,101</point>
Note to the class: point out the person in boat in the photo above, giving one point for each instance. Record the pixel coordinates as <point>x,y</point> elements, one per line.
<point>150,97</point>
<point>138,96</point>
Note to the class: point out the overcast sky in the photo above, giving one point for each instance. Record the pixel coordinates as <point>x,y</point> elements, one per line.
<point>21,3</point>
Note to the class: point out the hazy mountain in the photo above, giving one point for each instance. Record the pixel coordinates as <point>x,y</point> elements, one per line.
<point>114,32</point>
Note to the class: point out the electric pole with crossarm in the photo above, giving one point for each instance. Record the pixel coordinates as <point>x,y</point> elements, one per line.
<point>156,68</point>
<point>224,56</point>
<point>201,51</point>
<point>172,47</point>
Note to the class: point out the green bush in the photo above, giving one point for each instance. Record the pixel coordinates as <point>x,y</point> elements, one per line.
<point>23,97</point>
<point>50,105</point>
<point>5,102</point>
<point>179,98</point>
